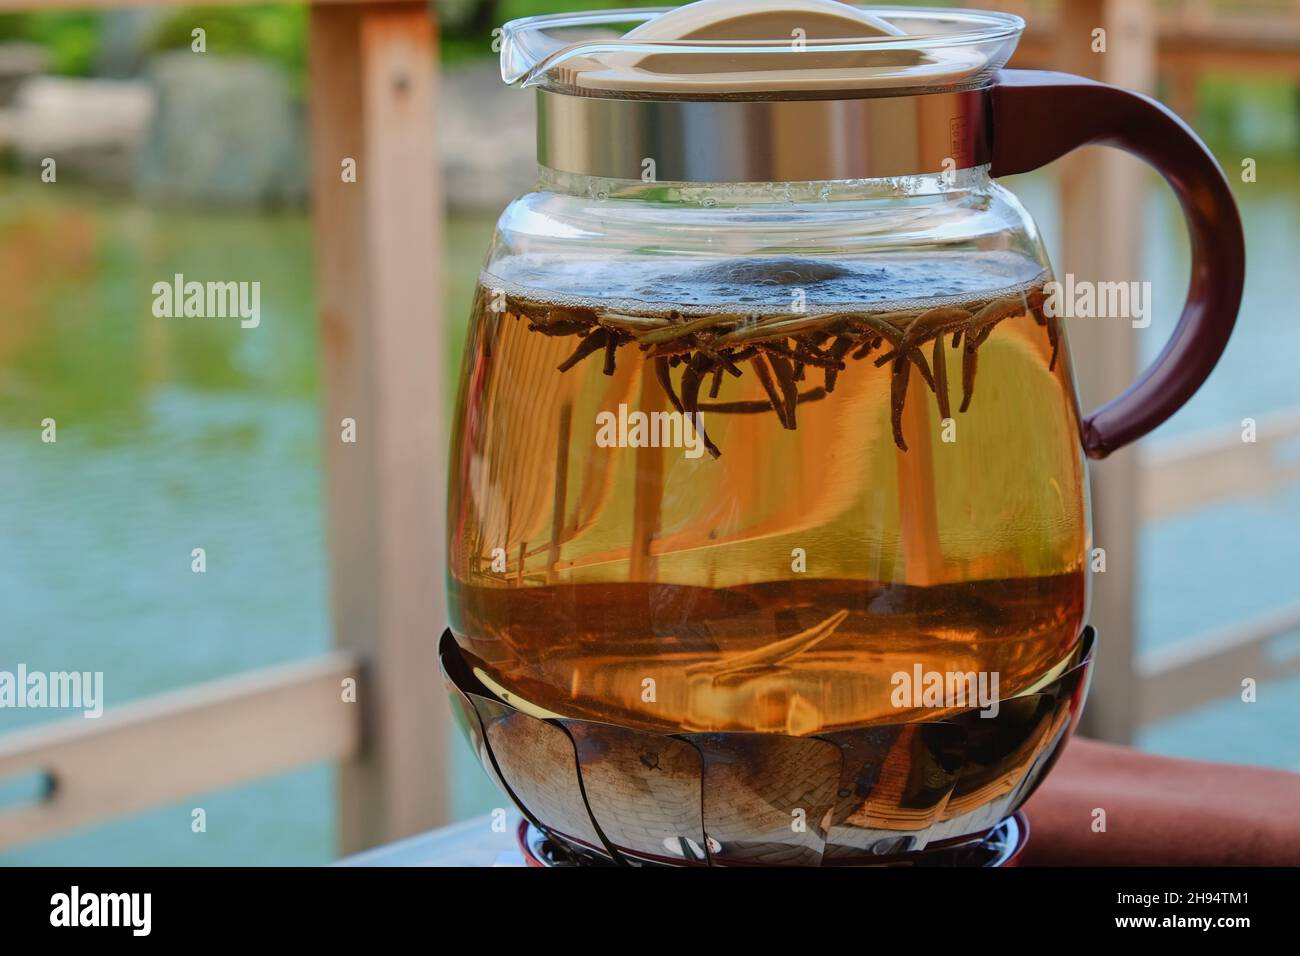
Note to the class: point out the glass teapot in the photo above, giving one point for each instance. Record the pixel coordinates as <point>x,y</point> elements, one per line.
<point>768,519</point>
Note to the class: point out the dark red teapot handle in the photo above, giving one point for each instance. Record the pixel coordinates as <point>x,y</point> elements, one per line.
<point>1038,117</point>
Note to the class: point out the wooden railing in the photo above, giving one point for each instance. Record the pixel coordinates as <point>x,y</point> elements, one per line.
<point>1192,37</point>
<point>378,268</point>
<point>1190,475</point>
<point>378,262</point>
<point>181,743</point>
<point>1212,666</point>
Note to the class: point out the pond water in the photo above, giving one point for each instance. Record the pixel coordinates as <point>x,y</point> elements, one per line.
<point>178,434</point>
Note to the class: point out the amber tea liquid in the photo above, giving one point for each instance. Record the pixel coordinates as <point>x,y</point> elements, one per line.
<point>893,480</point>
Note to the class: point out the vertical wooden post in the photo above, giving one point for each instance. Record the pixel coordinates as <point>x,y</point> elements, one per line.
<point>1102,214</point>
<point>373,81</point>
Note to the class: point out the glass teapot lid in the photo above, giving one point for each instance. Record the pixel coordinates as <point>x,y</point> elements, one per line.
<point>715,49</point>
<point>742,91</point>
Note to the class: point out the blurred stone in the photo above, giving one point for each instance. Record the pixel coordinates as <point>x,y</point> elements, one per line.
<point>210,129</point>
<point>485,134</point>
<point>124,40</point>
<point>90,128</point>
<point>227,130</point>
<point>18,62</point>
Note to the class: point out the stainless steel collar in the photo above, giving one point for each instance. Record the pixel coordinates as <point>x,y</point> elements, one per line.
<point>740,141</point>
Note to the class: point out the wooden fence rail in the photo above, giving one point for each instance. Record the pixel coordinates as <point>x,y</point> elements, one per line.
<point>1190,673</point>
<point>180,744</point>
<point>372,93</point>
<point>1202,470</point>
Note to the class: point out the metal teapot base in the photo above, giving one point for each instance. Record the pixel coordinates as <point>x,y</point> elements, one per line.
<point>588,786</point>
<point>1002,847</point>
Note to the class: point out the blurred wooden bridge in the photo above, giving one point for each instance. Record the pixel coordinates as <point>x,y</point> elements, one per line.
<point>373,90</point>
<point>1186,39</point>
<point>1195,36</point>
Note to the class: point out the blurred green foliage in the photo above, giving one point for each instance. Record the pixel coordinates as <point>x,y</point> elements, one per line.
<point>466,25</point>
<point>276,33</point>
<point>71,40</point>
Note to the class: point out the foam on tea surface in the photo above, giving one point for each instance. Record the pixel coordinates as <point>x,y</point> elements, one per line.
<point>660,287</point>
